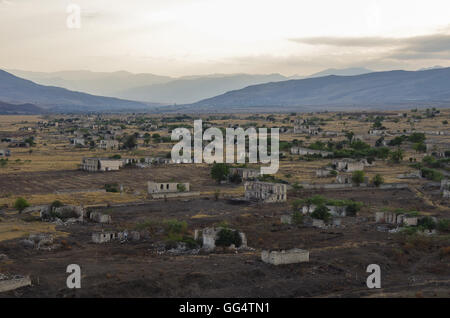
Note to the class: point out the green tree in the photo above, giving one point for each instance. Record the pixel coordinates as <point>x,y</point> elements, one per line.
<point>322,213</point>
<point>220,171</point>
<point>130,142</point>
<point>358,177</point>
<point>378,180</point>
<point>396,156</point>
<point>420,147</point>
<point>21,204</point>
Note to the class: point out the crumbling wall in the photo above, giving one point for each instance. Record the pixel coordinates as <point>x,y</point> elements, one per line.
<point>292,256</point>
<point>14,283</point>
<point>210,235</point>
<point>100,217</point>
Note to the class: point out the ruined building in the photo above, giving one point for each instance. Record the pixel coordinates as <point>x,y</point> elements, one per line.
<point>245,173</point>
<point>167,187</point>
<point>265,191</point>
<point>101,164</point>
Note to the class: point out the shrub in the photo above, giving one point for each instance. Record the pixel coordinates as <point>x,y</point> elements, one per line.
<point>322,213</point>
<point>296,204</point>
<point>226,237</point>
<point>297,218</point>
<point>352,208</point>
<point>358,177</point>
<point>443,225</point>
<point>235,178</point>
<point>431,174</point>
<point>176,227</point>
<point>56,204</point>
<point>417,137</point>
<point>21,204</point>
<point>396,156</point>
<point>426,223</point>
<point>112,187</point>
<point>220,171</point>
<point>378,180</point>
<point>181,187</point>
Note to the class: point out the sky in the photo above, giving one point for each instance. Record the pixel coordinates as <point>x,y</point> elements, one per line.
<point>186,37</point>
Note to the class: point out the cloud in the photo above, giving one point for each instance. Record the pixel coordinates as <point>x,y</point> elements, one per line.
<point>433,46</point>
<point>349,41</point>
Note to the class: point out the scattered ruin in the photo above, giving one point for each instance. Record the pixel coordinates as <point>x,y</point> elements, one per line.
<point>101,164</point>
<point>245,173</point>
<point>265,191</point>
<point>283,257</point>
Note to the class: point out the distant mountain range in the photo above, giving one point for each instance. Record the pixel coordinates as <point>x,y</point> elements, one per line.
<point>274,92</point>
<point>161,89</point>
<point>373,90</point>
<point>194,89</point>
<point>15,90</point>
<point>21,109</point>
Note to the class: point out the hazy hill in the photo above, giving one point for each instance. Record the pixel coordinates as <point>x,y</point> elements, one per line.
<point>379,89</point>
<point>192,89</point>
<point>153,88</point>
<point>22,109</point>
<point>16,90</point>
<point>98,83</point>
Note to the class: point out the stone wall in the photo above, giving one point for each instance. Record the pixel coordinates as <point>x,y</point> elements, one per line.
<point>12,284</point>
<point>265,191</point>
<point>166,187</point>
<point>175,195</point>
<point>292,256</point>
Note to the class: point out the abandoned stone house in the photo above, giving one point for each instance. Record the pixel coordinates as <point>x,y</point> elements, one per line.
<point>346,178</point>
<point>101,164</point>
<point>348,165</point>
<point>325,172</point>
<point>157,160</point>
<point>100,217</point>
<point>417,174</point>
<point>396,219</point>
<point>378,132</point>
<point>437,148</point>
<point>210,235</point>
<point>291,256</point>
<point>19,144</point>
<point>265,191</point>
<point>5,153</point>
<point>77,141</point>
<point>305,151</point>
<point>307,129</point>
<point>245,173</point>
<point>108,144</point>
<point>154,187</point>
<point>104,237</point>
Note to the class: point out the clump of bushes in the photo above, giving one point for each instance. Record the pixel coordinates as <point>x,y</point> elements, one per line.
<point>21,204</point>
<point>112,187</point>
<point>226,237</point>
<point>322,213</point>
<point>181,187</point>
<point>378,180</point>
<point>443,225</point>
<point>297,218</point>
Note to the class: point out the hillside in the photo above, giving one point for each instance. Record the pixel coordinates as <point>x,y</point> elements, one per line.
<point>373,90</point>
<point>23,109</point>
<point>16,90</point>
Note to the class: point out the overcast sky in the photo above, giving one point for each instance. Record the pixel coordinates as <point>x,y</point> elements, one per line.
<point>184,37</point>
